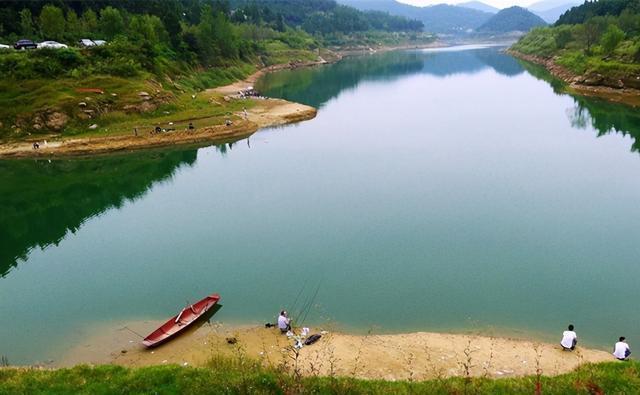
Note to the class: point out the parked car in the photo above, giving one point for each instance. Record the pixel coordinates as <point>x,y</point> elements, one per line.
<point>2,46</point>
<point>25,44</point>
<point>52,44</point>
<point>86,42</point>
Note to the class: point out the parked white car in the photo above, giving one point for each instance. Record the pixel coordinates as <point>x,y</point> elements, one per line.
<point>52,44</point>
<point>2,46</point>
<point>86,42</point>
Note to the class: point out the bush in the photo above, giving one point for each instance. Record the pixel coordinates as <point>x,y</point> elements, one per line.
<point>611,38</point>
<point>540,41</point>
<point>563,36</point>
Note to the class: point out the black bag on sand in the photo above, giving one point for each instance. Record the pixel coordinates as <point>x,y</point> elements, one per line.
<point>312,339</point>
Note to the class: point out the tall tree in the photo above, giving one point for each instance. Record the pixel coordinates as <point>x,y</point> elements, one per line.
<point>111,22</point>
<point>89,23</point>
<point>611,38</point>
<point>52,22</point>
<point>73,25</point>
<point>593,28</point>
<point>26,22</point>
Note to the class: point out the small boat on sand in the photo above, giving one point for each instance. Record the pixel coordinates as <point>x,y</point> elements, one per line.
<point>178,323</point>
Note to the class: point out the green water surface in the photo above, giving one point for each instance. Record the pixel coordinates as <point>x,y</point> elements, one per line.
<point>450,190</point>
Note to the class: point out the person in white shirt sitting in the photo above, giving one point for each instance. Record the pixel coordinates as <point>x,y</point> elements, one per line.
<point>284,323</point>
<point>621,350</point>
<point>569,339</point>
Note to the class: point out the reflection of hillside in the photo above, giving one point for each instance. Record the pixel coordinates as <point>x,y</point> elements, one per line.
<point>446,63</point>
<point>603,116</point>
<point>501,63</point>
<point>607,117</point>
<point>42,201</point>
<point>318,85</point>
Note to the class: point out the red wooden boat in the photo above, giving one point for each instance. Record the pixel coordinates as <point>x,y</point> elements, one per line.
<point>178,323</point>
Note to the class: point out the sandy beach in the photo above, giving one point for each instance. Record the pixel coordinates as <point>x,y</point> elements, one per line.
<point>414,356</point>
<point>266,112</point>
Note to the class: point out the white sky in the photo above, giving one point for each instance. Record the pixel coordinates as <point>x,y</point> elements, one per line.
<point>495,3</point>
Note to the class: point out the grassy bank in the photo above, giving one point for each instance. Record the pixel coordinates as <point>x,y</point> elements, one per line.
<point>158,55</point>
<point>242,376</point>
<point>596,44</point>
<point>604,66</point>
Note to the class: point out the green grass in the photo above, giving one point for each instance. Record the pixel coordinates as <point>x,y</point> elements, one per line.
<point>227,376</point>
<point>215,77</point>
<point>31,90</point>
<point>277,52</point>
<point>21,101</point>
<point>567,45</point>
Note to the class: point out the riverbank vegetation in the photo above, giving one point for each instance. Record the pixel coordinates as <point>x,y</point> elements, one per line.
<point>599,42</point>
<point>162,48</point>
<point>231,376</point>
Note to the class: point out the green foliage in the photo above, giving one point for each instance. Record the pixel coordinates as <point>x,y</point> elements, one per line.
<point>230,376</point>
<point>111,22</point>
<point>575,61</point>
<point>563,36</point>
<point>611,38</point>
<point>44,63</point>
<point>74,28</point>
<point>26,22</point>
<point>592,30</point>
<point>89,21</point>
<point>182,44</point>
<point>540,41</point>
<point>320,17</point>
<point>512,19</point>
<point>590,9</point>
<point>52,22</point>
<point>606,45</point>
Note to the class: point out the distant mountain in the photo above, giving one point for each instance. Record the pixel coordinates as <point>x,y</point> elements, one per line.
<point>480,6</point>
<point>551,15</point>
<point>546,5</point>
<point>444,18</point>
<point>440,18</point>
<point>512,19</point>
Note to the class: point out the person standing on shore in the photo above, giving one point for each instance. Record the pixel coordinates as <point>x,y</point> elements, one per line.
<point>621,349</point>
<point>569,339</point>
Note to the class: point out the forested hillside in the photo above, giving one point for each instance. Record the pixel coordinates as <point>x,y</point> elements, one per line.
<point>512,19</point>
<point>439,18</point>
<point>599,41</point>
<point>168,46</point>
<point>598,8</point>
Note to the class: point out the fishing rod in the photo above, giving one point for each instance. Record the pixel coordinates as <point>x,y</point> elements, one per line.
<point>295,302</point>
<point>132,331</point>
<point>304,318</point>
<point>303,308</point>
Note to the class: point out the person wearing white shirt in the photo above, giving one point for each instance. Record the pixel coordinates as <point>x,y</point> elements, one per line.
<point>569,339</point>
<point>621,350</point>
<point>284,323</point>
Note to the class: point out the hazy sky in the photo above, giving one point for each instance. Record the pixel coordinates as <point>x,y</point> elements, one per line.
<point>495,3</point>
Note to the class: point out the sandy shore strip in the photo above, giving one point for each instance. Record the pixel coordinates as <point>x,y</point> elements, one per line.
<point>415,356</point>
<point>266,112</point>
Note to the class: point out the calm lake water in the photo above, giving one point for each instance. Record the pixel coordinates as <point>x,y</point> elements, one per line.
<point>451,190</point>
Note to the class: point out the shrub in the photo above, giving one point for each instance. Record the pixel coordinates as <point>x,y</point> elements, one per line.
<point>611,38</point>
